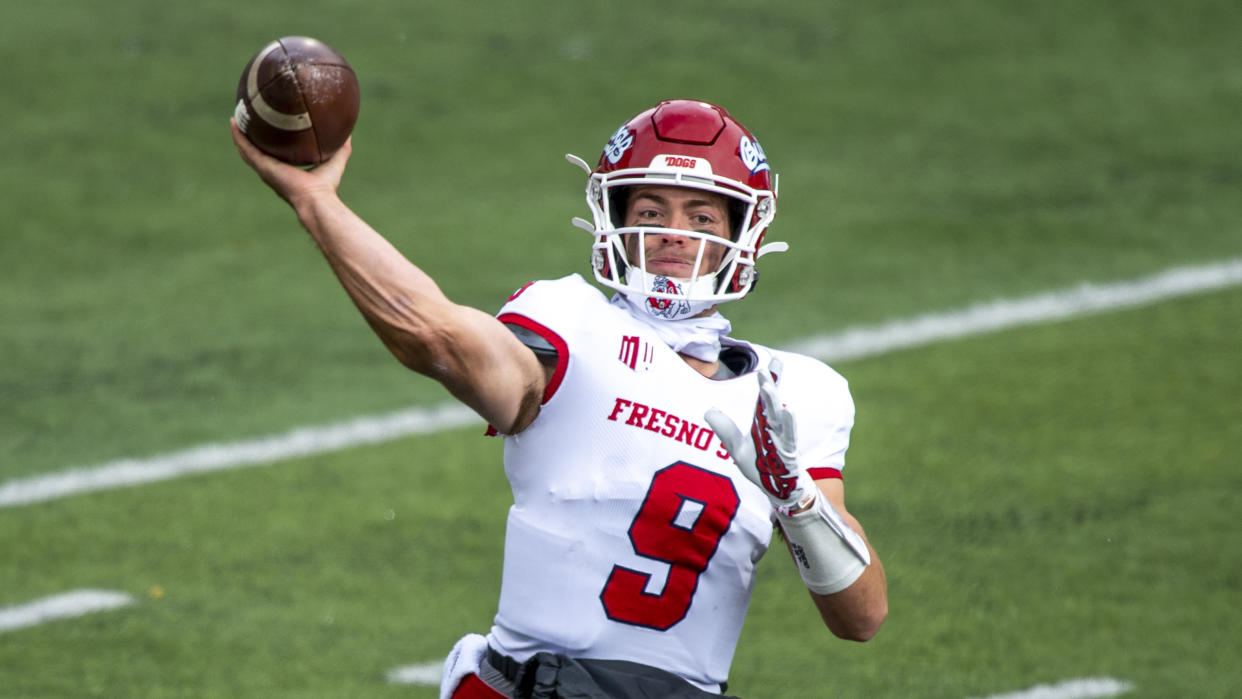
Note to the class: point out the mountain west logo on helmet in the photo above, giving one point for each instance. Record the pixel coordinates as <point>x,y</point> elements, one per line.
<point>752,155</point>
<point>618,144</point>
<point>682,143</point>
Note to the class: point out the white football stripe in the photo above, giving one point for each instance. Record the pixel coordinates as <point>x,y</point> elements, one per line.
<point>1085,688</point>
<point>850,344</point>
<point>62,606</point>
<point>280,120</point>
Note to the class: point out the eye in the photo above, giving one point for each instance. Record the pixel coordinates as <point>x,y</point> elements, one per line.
<point>707,222</point>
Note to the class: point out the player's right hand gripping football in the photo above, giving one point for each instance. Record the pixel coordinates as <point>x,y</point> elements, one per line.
<point>291,182</point>
<point>769,457</point>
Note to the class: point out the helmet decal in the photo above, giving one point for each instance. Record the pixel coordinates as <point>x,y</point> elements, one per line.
<point>752,155</point>
<point>618,144</point>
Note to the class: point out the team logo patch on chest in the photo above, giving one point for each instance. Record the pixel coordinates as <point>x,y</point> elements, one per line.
<point>636,352</point>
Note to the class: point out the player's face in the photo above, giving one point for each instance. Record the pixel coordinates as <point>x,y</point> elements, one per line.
<point>683,209</point>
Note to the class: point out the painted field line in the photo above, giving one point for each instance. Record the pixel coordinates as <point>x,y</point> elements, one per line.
<point>1085,688</point>
<point>425,674</point>
<point>302,441</point>
<point>851,343</point>
<point>997,315</point>
<point>62,606</point>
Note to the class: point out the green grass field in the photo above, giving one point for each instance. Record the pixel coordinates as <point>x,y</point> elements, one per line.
<point>1051,502</point>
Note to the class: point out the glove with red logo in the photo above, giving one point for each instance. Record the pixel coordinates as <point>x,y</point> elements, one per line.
<point>830,555</point>
<point>769,457</point>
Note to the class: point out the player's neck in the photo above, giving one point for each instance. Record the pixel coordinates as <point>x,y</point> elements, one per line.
<point>708,369</point>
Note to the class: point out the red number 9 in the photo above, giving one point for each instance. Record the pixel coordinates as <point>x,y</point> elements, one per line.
<point>667,530</point>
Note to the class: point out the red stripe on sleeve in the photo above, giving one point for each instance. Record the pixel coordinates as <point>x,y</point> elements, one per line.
<point>562,349</point>
<point>821,473</point>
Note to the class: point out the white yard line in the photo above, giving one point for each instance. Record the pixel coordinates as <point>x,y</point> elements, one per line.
<point>301,441</point>
<point>1084,688</point>
<point>851,343</point>
<point>426,674</point>
<point>62,606</point>
<point>1048,307</point>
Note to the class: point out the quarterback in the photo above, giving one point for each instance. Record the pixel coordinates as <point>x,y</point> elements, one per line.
<point>651,454</point>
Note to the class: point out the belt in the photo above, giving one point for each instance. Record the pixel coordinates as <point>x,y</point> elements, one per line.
<point>505,665</point>
<point>512,670</point>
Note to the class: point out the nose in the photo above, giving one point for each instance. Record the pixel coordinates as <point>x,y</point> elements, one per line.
<point>678,222</point>
<point>671,238</point>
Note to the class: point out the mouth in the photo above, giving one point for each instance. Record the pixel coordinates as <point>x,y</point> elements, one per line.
<point>671,266</point>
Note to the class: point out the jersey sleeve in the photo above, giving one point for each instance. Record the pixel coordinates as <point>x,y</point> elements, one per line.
<point>824,411</point>
<point>546,315</point>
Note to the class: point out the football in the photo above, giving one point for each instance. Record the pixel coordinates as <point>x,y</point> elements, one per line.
<point>297,100</point>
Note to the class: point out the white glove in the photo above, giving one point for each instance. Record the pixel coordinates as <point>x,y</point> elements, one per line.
<point>830,555</point>
<point>769,458</point>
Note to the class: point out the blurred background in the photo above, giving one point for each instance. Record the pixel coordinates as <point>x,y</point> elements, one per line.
<point>1052,502</point>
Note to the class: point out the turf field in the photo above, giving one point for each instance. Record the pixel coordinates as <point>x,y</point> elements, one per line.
<point>1052,502</point>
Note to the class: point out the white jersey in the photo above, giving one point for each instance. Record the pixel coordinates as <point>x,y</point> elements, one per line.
<point>632,535</point>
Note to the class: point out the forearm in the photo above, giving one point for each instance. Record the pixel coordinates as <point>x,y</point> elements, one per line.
<point>400,302</point>
<point>465,349</point>
<point>857,612</point>
<point>851,595</point>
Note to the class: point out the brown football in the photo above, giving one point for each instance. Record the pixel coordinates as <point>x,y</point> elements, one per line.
<point>297,100</point>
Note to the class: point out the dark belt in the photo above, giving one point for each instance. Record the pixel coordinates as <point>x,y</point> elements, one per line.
<point>506,666</point>
<point>525,676</point>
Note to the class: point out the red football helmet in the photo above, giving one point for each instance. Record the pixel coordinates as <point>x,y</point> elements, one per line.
<point>683,143</point>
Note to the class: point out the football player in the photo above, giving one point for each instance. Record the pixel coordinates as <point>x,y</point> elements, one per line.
<point>650,453</point>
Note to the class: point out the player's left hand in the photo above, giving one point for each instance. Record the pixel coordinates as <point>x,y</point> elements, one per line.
<point>769,457</point>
